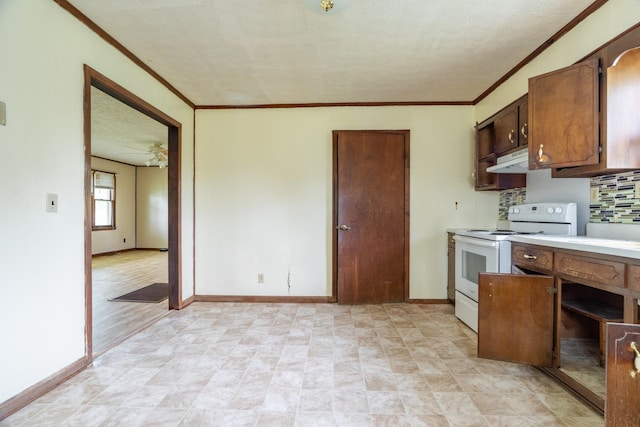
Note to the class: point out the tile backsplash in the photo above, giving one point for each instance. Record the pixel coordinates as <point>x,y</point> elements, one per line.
<point>516,196</point>
<point>613,199</point>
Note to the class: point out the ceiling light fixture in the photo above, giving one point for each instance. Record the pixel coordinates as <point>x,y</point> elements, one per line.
<point>327,6</point>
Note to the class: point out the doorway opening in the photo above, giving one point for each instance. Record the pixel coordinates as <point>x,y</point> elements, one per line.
<point>169,256</point>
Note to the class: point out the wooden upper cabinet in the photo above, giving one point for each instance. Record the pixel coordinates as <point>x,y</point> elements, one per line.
<point>587,122</point>
<point>623,110</point>
<point>496,136</point>
<point>564,117</point>
<point>523,122</point>
<point>486,156</point>
<point>506,131</point>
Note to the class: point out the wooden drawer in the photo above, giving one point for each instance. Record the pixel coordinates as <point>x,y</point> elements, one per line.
<point>634,277</point>
<point>597,270</point>
<point>527,256</point>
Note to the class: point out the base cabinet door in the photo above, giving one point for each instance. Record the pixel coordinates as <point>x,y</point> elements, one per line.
<point>622,407</point>
<point>515,318</point>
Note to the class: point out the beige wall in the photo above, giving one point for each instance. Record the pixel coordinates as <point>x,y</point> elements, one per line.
<point>152,208</point>
<point>264,186</point>
<point>113,240</point>
<point>142,217</point>
<point>42,255</point>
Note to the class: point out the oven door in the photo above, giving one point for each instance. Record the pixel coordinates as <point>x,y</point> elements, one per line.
<point>474,256</point>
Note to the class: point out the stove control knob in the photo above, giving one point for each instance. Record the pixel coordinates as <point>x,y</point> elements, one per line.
<point>550,210</point>
<point>516,211</point>
<point>558,210</point>
<point>511,210</point>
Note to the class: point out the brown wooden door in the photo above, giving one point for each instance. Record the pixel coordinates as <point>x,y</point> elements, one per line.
<point>371,215</point>
<point>515,318</point>
<point>622,407</point>
<point>564,117</point>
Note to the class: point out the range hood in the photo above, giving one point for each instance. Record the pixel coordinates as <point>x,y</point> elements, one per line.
<point>516,162</point>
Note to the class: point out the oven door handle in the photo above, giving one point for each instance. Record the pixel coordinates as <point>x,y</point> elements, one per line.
<point>477,242</point>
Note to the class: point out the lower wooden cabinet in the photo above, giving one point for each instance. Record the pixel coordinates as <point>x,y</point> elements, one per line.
<point>451,267</point>
<point>556,316</point>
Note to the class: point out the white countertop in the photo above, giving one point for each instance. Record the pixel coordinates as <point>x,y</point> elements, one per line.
<point>622,248</point>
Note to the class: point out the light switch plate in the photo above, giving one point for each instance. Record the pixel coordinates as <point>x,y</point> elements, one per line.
<point>52,203</point>
<point>3,113</point>
<point>595,194</point>
<point>637,190</point>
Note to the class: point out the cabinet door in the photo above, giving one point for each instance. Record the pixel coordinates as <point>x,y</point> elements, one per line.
<point>623,379</point>
<point>623,126</point>
<point>515,318</point>
<point>523,122</point>
<point>564,116</point>
<point>506,131</point>
<point>451,267</point>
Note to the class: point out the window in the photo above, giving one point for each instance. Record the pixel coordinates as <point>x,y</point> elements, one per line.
<point>104,200</point>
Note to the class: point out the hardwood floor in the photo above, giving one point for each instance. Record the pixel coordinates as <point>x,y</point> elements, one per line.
<point>117,274</point>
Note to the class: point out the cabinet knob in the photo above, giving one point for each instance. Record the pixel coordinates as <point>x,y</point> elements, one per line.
<point>542,157</point>
<point>511,138</point>
<point>636,360</point>
<point>523,130</point>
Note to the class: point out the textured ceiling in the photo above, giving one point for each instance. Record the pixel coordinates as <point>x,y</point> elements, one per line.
<point>118,132</point>
<point>254,52</point>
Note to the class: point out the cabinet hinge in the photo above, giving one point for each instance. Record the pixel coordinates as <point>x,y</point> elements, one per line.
<point>600,149</point>
<point>551,290</point>
<point>599,70</point>
<point>552,355</point>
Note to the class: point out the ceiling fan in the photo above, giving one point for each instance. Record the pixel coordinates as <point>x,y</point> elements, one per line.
<point>159,155</point>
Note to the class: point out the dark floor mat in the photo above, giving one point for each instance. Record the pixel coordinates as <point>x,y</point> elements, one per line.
<point>155,292</point>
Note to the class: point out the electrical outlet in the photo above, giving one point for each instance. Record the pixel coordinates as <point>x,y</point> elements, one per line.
<point>260,277</point>
<point>595,194</point>
<point>637,190</point>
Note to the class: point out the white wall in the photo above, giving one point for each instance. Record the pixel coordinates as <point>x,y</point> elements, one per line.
<point>41,151</point>
<point>113,240</point>
<point>264,195</point>
<point>613,18</point>
<point>152,208</point>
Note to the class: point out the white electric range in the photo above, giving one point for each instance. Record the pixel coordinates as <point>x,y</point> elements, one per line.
<point>484,250</point>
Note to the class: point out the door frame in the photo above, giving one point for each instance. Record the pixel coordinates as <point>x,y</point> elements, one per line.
<point>174,138</point>
<point>334,228</point>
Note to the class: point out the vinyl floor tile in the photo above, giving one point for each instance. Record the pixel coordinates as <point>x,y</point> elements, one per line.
<point>243,364</point>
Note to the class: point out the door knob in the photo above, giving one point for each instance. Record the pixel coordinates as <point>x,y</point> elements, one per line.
<point>344,227</point>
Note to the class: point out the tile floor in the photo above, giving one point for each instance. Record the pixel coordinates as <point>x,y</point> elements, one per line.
<point>242,364</point>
